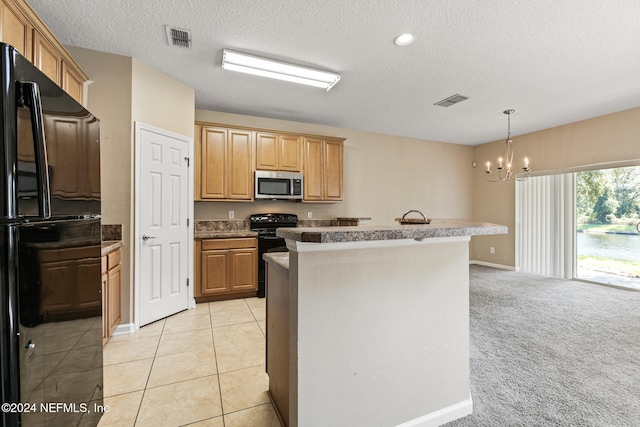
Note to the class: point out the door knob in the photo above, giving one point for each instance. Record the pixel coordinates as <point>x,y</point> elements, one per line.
<point>147,237</point>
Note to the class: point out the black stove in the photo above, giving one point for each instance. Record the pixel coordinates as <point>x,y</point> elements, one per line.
<point>265,225</point>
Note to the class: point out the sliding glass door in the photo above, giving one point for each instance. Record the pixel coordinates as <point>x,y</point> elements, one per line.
<point>608,226</point>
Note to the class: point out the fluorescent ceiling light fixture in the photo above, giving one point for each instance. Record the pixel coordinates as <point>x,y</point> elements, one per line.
<point>257,66</point>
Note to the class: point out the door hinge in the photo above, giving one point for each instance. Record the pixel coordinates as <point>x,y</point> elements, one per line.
<point>188,160</point>
<point>187,282</point>
<point>187,222</point>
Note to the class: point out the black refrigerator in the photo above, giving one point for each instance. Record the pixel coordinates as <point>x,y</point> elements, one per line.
<point>50,253</point>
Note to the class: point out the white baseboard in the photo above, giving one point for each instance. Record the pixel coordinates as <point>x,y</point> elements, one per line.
<point>124,328</point>
<point>442,416</point>
<point>490,264</point>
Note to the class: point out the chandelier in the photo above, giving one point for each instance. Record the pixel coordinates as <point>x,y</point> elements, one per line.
<point>504,171</point>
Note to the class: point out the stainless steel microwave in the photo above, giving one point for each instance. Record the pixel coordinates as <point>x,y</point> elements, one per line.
<point>278,185</point>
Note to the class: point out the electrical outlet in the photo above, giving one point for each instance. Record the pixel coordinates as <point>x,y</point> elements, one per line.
<point>309,215</point>
<point>232,214</point>
<point>492,250</point>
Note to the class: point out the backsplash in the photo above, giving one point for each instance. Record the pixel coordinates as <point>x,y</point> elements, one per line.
<point>317,222</point>
<point>111,232</point>
<point>244,224</point>
<point>222,225</point>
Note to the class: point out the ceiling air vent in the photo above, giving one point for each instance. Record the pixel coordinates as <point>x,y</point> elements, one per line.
<point>453,99</point>
<point>178,37</point>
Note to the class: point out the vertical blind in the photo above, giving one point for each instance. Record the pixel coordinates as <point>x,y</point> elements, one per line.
<point>545,225</point>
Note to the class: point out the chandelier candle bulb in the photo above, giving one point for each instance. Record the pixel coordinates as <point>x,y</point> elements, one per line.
<point>499,162</point>
<point>488,167</point>
<point>526,163</point>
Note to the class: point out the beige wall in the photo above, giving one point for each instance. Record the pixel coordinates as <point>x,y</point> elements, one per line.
<point>159,100</point>
<point>384,176</point>
<point>590,144</point>
<point>123,91</point>
<point>109,98</point>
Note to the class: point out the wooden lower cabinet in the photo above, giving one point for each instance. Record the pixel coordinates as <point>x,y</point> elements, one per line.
<point>64,275</point>
<point>111,290</point>
<point>226,268</point>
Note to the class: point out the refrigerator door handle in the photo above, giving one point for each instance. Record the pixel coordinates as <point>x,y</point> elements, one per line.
<point>29,96</point>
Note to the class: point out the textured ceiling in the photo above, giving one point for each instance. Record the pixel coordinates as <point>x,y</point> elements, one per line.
<point>553,61</point>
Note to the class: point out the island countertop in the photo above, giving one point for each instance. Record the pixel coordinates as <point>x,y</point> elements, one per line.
<point>437,228</point>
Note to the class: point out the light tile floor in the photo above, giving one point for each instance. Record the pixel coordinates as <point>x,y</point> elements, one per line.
<point>203,367</point>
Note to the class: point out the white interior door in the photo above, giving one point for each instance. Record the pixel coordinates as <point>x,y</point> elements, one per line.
<point>162,232</point>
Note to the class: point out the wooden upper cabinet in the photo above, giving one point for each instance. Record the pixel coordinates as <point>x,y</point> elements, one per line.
<point>323,170</point>
<point>16,29</point>
<point>266,151</point>
<point>46,58</point>
<point>313,170</point>
<point>225,164</point>
<point>278,152</point>
<point>333,170</point>
<point>239,161</point>
<point>21,28</point>
<point>227,157</point>
<point>72,82</point>
<point>213,155</point>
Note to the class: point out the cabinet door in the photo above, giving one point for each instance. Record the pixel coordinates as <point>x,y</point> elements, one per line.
<point>213,163</point>
<point>313,170</point>
<point>114,313</point>
<point>244,274</point>
<point>46,58</point>
<point>266,151</point>
<point>290,153</point>
<point>214,270</point>
<point>89,299</point>
<point>72,83</point>
<point>239,165</point>
<point>63,135</point>
<point>105,305</point>
<point>59,284</point>
<point>15,30</point>
<point>333,153</point>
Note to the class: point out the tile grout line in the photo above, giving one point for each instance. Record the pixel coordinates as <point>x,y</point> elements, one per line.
<point>215,354</point>
<point>149,375</point>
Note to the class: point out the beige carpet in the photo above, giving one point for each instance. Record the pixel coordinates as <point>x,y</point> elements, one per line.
<point>550,352</point>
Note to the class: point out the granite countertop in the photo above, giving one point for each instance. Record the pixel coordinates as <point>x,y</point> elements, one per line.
<point>280,259</point>
<point>219,234</point>
<point>437,228</point>
<point>110,246</point>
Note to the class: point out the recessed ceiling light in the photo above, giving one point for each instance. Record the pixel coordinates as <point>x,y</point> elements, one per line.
<point>404,39</point>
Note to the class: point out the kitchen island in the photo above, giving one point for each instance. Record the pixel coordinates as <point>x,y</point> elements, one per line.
<point>369,325</point>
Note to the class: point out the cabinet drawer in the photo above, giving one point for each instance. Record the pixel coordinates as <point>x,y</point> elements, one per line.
<point>113,259</point>
<point>236,243</point>
<point>105,264</point>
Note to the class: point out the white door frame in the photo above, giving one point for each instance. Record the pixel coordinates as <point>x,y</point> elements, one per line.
<point>139,126</point>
